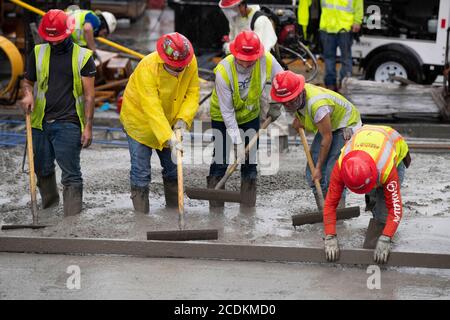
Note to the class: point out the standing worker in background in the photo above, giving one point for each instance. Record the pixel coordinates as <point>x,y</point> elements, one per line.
<point>338,21</point>
<point>329,115</point>
<point>161,96</point>
<point>62,110</point>
<point>242,17</point>
<point>373,162</point>
<point>89,25</point>
<point>235,105</point>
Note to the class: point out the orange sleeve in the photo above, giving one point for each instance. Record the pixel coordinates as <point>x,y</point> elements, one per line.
<point>393,200</point>
<point>334,193</point>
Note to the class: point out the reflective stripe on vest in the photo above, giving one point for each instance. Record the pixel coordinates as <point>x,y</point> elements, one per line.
<point>248,109</point>
<point>344,113</point>
<point>79,58</point>
<point>385,156</point>
<point>337,15</point>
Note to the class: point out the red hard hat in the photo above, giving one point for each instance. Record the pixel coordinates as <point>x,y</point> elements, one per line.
<point>225,4</point>
<point>286,86</point>
<point>56,25</point>
<point>359,172</point>
<point>247,46</point>
<point>175,49</point>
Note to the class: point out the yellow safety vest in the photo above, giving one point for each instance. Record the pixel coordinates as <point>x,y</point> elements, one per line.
<point>340,15</point>
<point>80,56</point>
<point>78,32</point>
<point>385,145</point>
<point>227,70</point>
<point>344,114</point>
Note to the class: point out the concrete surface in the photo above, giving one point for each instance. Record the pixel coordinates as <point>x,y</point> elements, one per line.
<point>45,277</point>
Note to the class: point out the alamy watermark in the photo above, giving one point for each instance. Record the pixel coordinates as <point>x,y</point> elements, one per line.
<point>374,280</point>
<point>74,280</point>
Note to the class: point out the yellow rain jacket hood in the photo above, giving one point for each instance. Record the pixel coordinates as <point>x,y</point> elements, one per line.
<point>154,100</point>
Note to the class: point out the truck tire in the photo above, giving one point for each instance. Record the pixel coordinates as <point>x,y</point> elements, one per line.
<point>396,63</point>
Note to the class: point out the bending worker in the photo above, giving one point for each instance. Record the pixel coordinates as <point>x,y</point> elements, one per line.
<point>161,96</point>
<point>235,105</point>
<point>90,24</point>
<point>326,113</point>
<point>373,162</point>
<point>62,110</point>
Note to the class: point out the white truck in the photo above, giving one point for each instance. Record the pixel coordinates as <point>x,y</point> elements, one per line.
<point>406,38</point>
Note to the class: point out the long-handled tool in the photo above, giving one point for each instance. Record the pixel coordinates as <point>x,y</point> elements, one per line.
<point>224,195</point>
<point>315,217</point>
<point>182,235</point>
<point>34,210</point>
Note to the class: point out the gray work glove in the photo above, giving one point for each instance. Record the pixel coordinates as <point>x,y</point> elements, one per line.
<point>239,152</point>
<point>382,249</point>
<point>348,132</point>
<point>181,125</point>
<point>274,112</point>
<point>331,248</point>
<point>175,145</point>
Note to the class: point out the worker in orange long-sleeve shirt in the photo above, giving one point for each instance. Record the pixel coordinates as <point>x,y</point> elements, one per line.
<point>372,162</point>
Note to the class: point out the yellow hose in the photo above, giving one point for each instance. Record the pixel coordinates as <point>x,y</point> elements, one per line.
<point>16,61</point>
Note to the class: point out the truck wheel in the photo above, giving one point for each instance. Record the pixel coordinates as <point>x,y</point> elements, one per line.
<point>394,63</point>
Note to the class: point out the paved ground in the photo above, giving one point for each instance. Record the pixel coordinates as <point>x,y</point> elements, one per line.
<point>45,277</point>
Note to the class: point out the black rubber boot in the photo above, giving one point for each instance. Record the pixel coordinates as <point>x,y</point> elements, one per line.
<point>248,192</point>
<point>73,200</point>
<point>171,193</point>
<point>211,182</point>
<point>48,190</point>
<point>139,196</point>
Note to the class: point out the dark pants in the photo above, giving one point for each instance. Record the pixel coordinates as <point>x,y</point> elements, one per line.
<point>140,173</point>
<point>330,42</point>
<point>223,144</point>
<point>60,141</point>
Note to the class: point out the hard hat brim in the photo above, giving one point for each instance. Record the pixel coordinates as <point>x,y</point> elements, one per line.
<point>290,97</point>
<point>228,6</point>
<point>245,57</point>
<point>165,58</point>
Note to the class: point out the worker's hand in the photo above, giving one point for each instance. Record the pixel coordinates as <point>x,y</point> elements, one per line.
<point>175,145</point>
<point>348,133</point>
<point>274,112</point>
<point>382,249</point>
<point>180,124</point>
<point>239,152</point>
<point>296,124</point>
<point>27,103</point>
<point>86,137</point>
<point>331,248</point>
<point>356,27</point>
<point>317,174</point>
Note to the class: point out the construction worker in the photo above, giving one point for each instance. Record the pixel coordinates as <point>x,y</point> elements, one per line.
<point>62,109</point>
<point>89,25</point>
<point>329,115</point>
<point>161,96</point>
<point>235,106</point>
<point>372,162</point>
<point>338,21</point>
<point>242,17</point>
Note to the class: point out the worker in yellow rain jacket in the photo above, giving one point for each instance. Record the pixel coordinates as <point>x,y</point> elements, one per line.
<point>161,96</point>
<point>338,21</point>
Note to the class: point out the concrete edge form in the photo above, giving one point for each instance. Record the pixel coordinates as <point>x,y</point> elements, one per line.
<point>215,251</point>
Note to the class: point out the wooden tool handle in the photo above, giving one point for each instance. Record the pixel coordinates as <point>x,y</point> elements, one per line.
<point>31,168</point>
<point>250,145</point>
<point>180,181</point>
<point>301,132</point>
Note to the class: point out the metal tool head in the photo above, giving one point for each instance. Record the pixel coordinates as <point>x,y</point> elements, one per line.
<point>213,194</point>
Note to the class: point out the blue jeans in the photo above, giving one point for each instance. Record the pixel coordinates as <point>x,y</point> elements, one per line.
<point>330,42</point>
<point>335,150</point>
<point>140,173</point>
<point>60,141</point>
<point>221,155</point>
<point>380,211</point>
